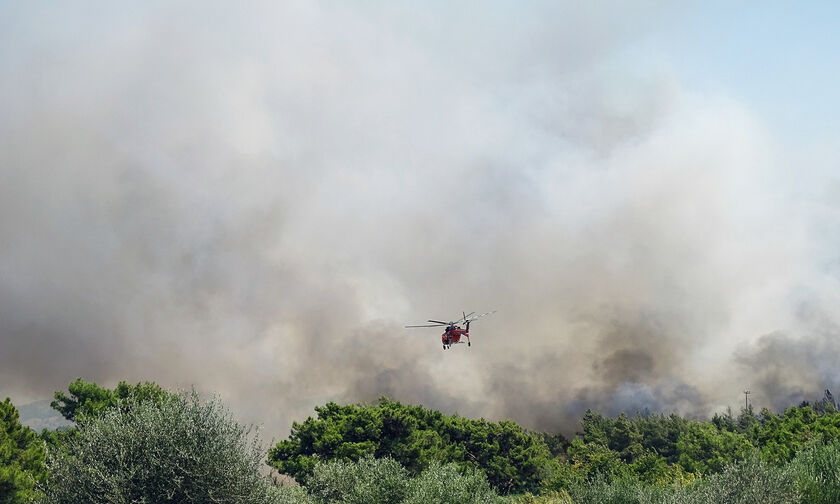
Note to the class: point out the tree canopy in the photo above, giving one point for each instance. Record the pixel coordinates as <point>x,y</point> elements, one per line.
<point>653,449</point>
<point>21,457</point>
<point>512,458</point>
<point>179,450</point>
<point>146,444</point>
<point>88,398</point>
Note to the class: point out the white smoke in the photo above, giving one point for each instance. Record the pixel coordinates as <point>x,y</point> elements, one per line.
<point>256,200</point>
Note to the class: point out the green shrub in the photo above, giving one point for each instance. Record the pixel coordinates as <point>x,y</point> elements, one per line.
<point>560,476</point>
<point>817,473</point>
<point>751,481</point>
<point>596,461</point>
<point>369,480</point>
<point>386,481</point>
<point>450,484</point>
<point>622,491</point>
<point>289,495</point>
<point>177,450</point>
<point>561,497</point>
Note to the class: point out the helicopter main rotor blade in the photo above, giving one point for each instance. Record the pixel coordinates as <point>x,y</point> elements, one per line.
<point>429,325</point>
<point>439,322</point>
<point>479,316</point>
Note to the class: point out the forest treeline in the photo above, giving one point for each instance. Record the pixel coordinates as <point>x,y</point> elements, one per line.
<point>142,443</point>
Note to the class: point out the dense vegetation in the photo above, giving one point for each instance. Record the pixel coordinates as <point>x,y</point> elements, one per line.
<point>657,450</point>
<point>175,449</point>
<point>141,443</point>
<point>21,458</point>
<point>86,399</point>
<point>512,459</point>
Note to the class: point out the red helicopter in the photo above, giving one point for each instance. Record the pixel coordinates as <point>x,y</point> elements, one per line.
<point>453,332</point>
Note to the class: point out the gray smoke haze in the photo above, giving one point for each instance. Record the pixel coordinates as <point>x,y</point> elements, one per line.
<point>255,201</point>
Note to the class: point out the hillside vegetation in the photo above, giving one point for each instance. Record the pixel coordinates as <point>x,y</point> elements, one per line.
<point>142,443</point>
<point>512,459</point>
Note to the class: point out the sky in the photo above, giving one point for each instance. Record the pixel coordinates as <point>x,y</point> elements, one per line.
<point>254,200</point>
<point>774,57</point>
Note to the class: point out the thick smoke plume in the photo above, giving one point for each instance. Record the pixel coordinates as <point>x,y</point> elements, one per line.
<point>256,201</point>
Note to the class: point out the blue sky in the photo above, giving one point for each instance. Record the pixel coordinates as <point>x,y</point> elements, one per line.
<point>779,58</point>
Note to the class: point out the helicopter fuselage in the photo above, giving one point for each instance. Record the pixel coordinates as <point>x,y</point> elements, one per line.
<point>453,334</point>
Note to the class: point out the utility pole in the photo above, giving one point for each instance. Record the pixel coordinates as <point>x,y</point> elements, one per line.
<point>746,400</point>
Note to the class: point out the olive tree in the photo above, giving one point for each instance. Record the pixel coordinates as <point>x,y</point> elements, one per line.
<point>180,449</point>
